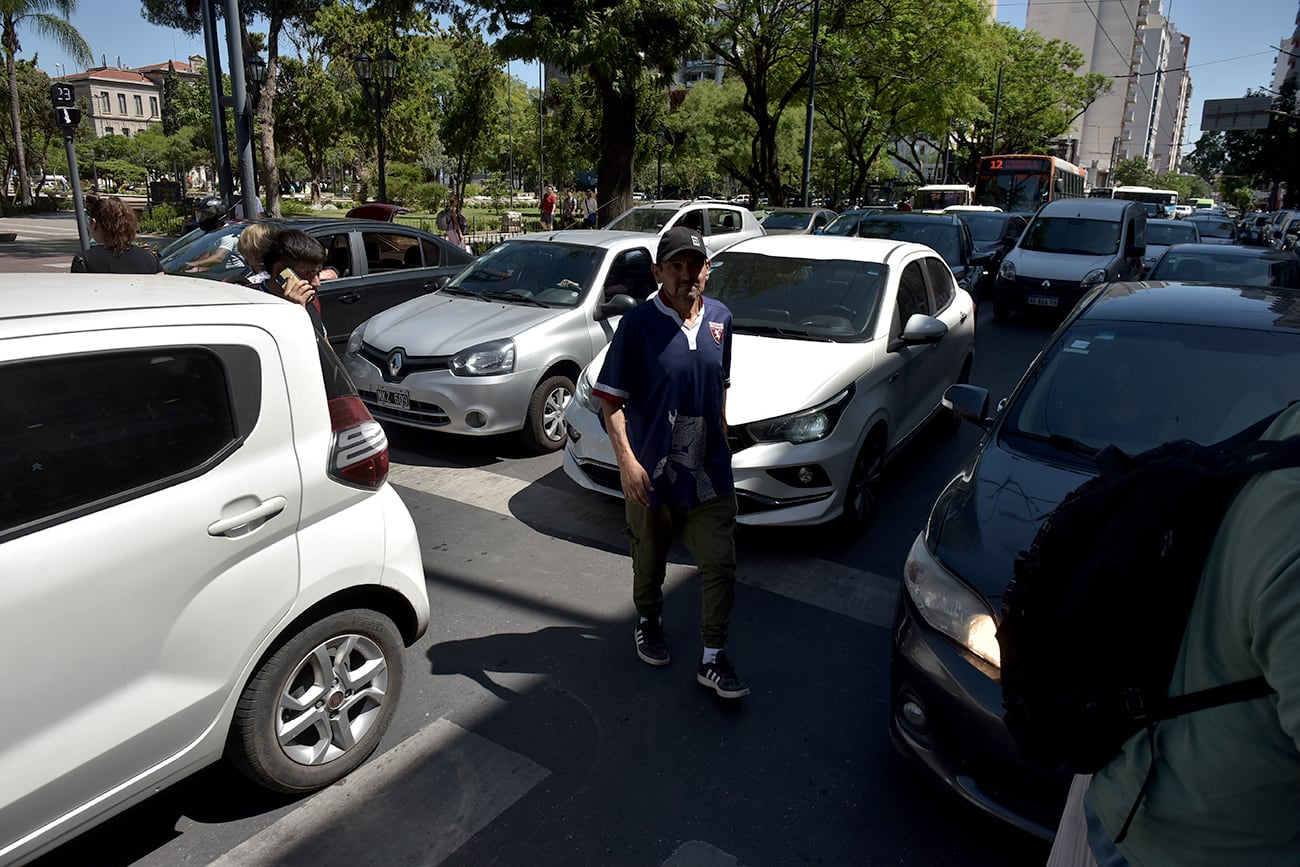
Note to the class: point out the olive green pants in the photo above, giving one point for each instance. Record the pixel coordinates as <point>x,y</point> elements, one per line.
<point>708,531</point>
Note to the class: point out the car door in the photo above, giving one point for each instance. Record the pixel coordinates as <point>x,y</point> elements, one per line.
<point>910,387</point>
<point>342,298</point>
<point>629,273</point>
<point>402,265</point>
<point>954,309</point>
<point>148,521</point>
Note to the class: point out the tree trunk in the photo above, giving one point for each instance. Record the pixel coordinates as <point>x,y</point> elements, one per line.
<point>266,112</point>
<point>24,182</point>
<point>617,143</point>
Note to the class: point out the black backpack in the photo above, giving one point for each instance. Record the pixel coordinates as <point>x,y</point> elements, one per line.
<point>1094,616</point>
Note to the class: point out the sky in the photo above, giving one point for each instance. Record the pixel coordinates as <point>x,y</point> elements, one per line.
<point>1230,42</point>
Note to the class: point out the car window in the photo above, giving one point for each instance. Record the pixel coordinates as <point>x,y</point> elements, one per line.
<point>912,297</point>
<point>643,219</point>
<point>694,219</point>
<point>985,227</point>
<point>1072,235</point>
<point>723,221</point>
<point>550,273</point>
<point>942,238</point>
<point>1137,384</point>
<point>630,274</point>
<point>797,220</point>
<point>792,297</point>
<point>338,253</point>
<point>86,431</point>
<point>390,251</point>
<point>1164,234</point>
<point>1232,270</point>
<point>214,255</point>
<point>942,285</point>
<point>845,225</point>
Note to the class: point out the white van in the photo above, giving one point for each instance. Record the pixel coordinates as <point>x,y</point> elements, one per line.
<point>1069,247</point>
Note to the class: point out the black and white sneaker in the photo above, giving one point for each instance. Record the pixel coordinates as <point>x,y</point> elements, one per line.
<point>720,677</point>
<point>650,644</point>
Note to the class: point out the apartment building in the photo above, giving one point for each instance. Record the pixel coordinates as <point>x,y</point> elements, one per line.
<point>1145,112</point>
<point>126,101</point>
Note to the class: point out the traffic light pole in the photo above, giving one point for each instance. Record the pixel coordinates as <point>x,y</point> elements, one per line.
<point>83,232</point>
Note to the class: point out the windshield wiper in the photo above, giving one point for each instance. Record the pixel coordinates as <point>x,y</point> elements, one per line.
<point>456,290</point>
<point>1061,443</point>
<point>512,297</point>
<point>780,331</point>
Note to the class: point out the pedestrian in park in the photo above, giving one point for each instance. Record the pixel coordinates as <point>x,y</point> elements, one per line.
<point>1223,784</point>
<point>453,222</point>
<point>113,226</point>
<point>548,208</point>
<point>570,214</point>
<point>589,210</point>
<point>663,396</point>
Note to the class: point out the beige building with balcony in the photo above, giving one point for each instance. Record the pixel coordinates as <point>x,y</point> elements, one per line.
<point>126,101</point>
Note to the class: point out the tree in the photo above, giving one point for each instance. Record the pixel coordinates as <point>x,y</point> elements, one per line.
<point>49,18</point>
<point>1133,172</point>
<point>469,116</point>
<point>615,42</point>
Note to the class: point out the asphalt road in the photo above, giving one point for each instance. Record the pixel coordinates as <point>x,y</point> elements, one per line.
<point>528,732</point>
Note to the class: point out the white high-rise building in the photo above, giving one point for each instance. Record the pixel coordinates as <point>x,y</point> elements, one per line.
<point>1145,111</point>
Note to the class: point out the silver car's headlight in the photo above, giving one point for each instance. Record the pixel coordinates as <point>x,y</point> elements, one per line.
<point>354,340</point>
<point>948,605</point>
<point>1008,270</point>
<point>803,426</point>
<point>582,391</point>
<point>487,359</point>
<point>1093,277</point>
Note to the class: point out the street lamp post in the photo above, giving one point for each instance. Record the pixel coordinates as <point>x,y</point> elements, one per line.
<point>255,72</point>
<point>659,168</point>
<point>377,84</point>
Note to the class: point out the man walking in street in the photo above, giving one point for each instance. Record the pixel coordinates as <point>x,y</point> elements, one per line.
<point>663,393</point>
<point>548,209</point>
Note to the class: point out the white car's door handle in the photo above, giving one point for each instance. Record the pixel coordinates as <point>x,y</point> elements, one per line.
<point>247,522</point>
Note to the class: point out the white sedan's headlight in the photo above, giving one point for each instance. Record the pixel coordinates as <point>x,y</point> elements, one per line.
<point>803,426</point>
<point>582,391</point>
<point>948,605</point>
<point>1093,277</point>
<point>487,359</point>
<point>354,339</point>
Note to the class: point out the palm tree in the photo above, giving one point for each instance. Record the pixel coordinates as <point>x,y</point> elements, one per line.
<point>40,15</point>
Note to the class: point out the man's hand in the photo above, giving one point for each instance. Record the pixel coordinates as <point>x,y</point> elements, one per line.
<point>635,481</point>
<point>298,291</point>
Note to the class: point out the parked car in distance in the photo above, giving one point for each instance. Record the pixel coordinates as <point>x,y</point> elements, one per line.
<point>1228,266</point>
<point>946,234</point>
<point>842,349</point>
<point>1070,246</point>
<point>720,223</point>
<point>1136,364</point>
<point>1181,211</point>
<point>381,211</point>
<point>993,233</point>
<point>796,221</point>
<point>379,265</point>
<point>499,349</point>
<point>202,556</point>
<point>847,223</point>
<point>1215,229</point>
<point>1163,234</point>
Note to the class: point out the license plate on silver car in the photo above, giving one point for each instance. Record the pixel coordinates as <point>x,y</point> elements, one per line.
<point>1042,300</point>
<point>397,398</point>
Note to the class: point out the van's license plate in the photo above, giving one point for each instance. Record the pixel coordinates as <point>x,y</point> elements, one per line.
<point>397,398</point>
<point>1042,300</point>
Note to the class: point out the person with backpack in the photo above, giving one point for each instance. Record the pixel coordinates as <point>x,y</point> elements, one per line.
<point>1220,783</point>
<point>452,221</point>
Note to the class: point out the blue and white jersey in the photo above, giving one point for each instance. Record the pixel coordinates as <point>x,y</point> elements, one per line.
<point>670,379</point>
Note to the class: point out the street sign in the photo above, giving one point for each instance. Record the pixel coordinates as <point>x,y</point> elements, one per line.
<point>61,95</point>
<point>67,118</point>
<point>1251,112</point>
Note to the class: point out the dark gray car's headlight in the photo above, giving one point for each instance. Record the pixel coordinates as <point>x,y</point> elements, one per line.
<point>487,359</point>
<point>950,606</point>
<point>804,426</point>
<point>1093,277</point>
<point>354,340</point>
<point>1008,270</point>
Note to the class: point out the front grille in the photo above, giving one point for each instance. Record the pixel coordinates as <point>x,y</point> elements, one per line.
<point>421,412</point>
<point>410,363</point>
<point>1059,288</point>
<point>602,475</point>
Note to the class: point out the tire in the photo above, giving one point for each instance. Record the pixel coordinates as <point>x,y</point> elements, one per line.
<point>863,485</point>
<point>325,744</point>
<point>544,429</point>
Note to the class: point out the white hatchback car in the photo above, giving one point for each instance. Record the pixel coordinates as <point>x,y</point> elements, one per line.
<point>720,223</point>
<point>843,348</point>
<point>201,554</point>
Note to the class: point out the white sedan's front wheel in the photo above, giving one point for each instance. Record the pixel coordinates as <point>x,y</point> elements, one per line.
<point>318,706</point>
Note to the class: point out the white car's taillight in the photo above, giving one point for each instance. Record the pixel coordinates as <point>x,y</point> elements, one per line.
<point>359,454</point>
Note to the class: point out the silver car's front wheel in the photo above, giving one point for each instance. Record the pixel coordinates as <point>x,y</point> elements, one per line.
<point>318,706</point>
<point>544,429</point>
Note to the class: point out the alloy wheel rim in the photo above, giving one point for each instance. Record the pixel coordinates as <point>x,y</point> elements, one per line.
<point>332,699</point>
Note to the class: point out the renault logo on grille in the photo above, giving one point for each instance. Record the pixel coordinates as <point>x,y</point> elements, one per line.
<point>1047,284</point>
<point>395,359</point>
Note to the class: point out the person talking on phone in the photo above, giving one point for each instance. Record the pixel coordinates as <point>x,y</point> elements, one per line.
<point>294,260</point>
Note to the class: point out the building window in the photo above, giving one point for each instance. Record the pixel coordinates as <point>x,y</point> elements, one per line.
<point>103,97</point>
<point>126,131</point>
<point>121,103</point>
<point>139,106</point>
<point>108,130</point>
<point>153,106</point>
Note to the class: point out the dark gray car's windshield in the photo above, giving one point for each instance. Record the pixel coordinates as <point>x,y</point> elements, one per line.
<point>812,298</point>
<point>1165,235</point>
<point>1072,235</point>
<point>1231,270</point>
<point>552,274</point>
<point>1216,228</point>
<point>985,227</point>
<point>942,238</point>
<point>214,255</point>
<point>844,224</point>
<point>786,220</point>
<point>1135,385</point>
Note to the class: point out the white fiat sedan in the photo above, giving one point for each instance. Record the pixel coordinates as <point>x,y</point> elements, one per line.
<point>843,349</point>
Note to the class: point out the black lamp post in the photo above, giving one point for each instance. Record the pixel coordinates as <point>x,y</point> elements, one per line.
<point>660,136</point>
<point>376,77</point>
<point>255,73</point>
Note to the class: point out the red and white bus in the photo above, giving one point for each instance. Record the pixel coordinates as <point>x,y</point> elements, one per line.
<point>1023,182</point>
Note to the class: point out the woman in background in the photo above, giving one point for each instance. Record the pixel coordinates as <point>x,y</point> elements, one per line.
<point>113,226</point>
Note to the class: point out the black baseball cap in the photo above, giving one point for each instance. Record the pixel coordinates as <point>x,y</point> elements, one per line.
<point>677,239</point>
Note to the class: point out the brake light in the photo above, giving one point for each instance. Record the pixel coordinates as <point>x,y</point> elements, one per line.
<point>359,455</point>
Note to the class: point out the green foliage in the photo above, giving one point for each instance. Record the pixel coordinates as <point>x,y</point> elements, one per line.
<point>469,115</point>
<point>1133,171</point>
<point>295,208</point>
<point>163,220</point>
<point>1257,156</point>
